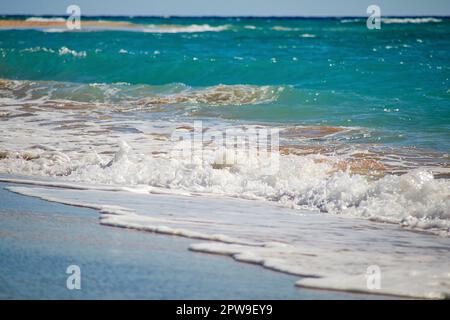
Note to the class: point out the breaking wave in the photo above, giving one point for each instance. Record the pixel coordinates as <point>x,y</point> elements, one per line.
<point>142,95</point>
<point>184,29</point>
<point>71,131</point>
<point>418,20</point>
<point>415,199</point>
<point>411,20</point>
<point>41,19</point>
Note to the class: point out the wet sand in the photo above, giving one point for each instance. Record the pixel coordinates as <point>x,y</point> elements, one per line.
<point>39,240</point>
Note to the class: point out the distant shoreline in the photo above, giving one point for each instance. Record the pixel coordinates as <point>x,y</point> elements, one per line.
<point>221,17</point>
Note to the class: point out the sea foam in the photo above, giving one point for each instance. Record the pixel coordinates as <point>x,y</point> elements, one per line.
<point>184,29</point>
<point>41,19</point>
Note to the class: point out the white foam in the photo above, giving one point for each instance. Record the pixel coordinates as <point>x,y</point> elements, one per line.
<point>59,142</point>
<point>281,28</point>
<point>307,35</point>
<point>415,199</point>
<point>41,19</point>
<point>66,51</point>
<point>350,20</point>
<point>38,49</point>
<point>194,28</point>
<point>55,30</point>
<point>411,20</point>
<point>417,20</point>
<point>125,96</point>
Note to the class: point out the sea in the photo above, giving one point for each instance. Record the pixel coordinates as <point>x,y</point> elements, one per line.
<point>131,116</point>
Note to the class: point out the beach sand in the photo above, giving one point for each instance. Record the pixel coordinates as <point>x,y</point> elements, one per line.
<point>13,24</point>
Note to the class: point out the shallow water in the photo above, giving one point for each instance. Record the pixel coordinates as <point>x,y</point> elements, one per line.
<point>328,252</point>
<point>40,239</point>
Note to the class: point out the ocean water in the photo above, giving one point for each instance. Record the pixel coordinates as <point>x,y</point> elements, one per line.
<point>362,115</point>
<point>333,71</point>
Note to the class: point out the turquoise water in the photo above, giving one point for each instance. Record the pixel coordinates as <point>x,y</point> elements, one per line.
<point>336,72</point>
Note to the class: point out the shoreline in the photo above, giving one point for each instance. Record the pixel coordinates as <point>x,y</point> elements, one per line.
<point>278,17</point>
<point>124,255</point>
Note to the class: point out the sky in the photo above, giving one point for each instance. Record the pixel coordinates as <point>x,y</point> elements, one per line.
<point>227,7</point>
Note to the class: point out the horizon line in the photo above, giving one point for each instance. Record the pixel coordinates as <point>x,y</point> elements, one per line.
<point>223,16</point>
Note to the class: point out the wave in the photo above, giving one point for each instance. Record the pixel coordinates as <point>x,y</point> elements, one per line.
<point>64,51</point>
<point>281,28</point>
<point>415,199</point>
<point>126,95</point>
<point>285,29</point>
<point>410,20</point>
<point>41,19</point>
<point>351,20</point>
<point>55,30</point>
<point>61,51</point>
<point>314,181</point>
<point>307,35</point>
<point>194,28</point>
<point>184,29</point>
<point>235,95</point>
<point>398,20</point>
<point>38,49</point>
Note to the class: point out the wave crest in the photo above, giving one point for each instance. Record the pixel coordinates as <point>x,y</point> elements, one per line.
<point>124,94</point>
<point>415,199</point>
<point>410,20</point>
<point>59,25</point>
<point>184,29</point>
<point>221,95</point>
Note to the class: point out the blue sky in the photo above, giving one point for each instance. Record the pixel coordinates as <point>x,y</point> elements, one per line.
<point>228,7</point>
